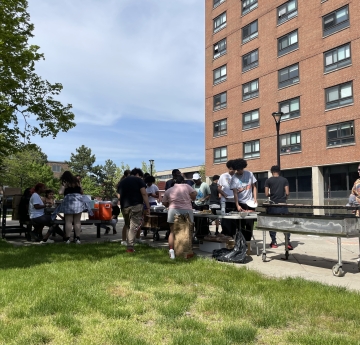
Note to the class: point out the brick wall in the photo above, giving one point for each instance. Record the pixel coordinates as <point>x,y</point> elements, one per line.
<point>313,117</point>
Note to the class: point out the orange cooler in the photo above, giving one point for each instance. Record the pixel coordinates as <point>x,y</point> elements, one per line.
<point>96,215</point>
<point>105,210</point>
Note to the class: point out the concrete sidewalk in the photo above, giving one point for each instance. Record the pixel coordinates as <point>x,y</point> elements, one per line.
<point>312,258</point>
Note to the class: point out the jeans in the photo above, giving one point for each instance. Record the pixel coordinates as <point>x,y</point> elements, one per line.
<point>277,210</point>
<point>133,217</point>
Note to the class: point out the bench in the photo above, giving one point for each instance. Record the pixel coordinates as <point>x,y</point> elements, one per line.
<point>87,222</point>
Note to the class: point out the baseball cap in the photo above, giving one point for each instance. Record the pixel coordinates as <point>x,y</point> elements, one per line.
<point>196,176</point>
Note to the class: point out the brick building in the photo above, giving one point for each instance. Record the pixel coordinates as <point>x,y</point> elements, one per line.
<point>58,167</point>
<point>298,57</point>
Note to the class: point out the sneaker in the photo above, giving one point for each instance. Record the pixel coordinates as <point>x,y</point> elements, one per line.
<point>124,243</point>
<point>67,241</point>
<point>77,240</point>
<point>107,231</point>
<point>273,245</point>
<point>130,250</point>
<point>290,247</point>
<point>142,234</point>
<point>46,241</point>
<point>172,254</point>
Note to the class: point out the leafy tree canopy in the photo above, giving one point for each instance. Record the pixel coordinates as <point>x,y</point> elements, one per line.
<point>26,168</point>
<point>27,103</point>
<point>82,162</point>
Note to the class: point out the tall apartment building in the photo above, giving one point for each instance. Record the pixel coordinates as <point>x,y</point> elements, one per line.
<point>300,57</point>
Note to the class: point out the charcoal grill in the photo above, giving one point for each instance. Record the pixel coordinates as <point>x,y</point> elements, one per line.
<point>303,221</point>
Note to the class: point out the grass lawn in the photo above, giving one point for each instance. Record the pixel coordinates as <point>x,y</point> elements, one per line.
<point>99,294</point>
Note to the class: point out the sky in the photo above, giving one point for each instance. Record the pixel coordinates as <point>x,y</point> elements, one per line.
<point>134,72</point>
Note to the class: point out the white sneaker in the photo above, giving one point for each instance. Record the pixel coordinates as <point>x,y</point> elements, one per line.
<point>47,241</point>
<point>172,254</point>
<point>124,243</point>
<point>77,241</point>
<point>68,241</point>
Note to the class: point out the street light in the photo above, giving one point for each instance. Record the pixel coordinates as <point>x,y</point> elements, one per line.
<point>151,165</point>
<point>277,118</point>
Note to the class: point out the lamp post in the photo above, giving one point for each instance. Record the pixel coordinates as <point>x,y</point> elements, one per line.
<point>151,165</point>
<point>277,118</point>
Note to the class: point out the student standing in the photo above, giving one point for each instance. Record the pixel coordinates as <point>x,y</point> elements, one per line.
<point>132,193</point>
<point>277,188</point>
<point>243,184</point>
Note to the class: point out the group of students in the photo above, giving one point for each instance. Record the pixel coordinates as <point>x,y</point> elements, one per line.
<point>236,190</point>
<point>72,207</point>
<point>137,192</point>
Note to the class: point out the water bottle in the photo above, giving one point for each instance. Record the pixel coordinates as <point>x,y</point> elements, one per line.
<point>223,207</point>
<point>172,254</point>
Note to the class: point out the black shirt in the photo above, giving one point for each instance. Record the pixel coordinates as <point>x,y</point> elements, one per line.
<point>168,183</point>
<point>214,196</point>
<point>115,210</point>
<point>129,190</point>
<point>72,190</point>
<point>277,188</point>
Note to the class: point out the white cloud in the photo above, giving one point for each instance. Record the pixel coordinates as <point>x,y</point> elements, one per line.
<point>124,58</point>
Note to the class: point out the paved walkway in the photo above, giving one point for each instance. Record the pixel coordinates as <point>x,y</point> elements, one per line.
<point>312,258</point>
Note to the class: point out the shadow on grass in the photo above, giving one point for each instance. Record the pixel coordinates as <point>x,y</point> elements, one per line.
<point>29,256</point>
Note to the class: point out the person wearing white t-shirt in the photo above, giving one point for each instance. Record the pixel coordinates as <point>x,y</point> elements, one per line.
<point>227,201</point>
<point>37,215</point>
<point>152,190</point>
<point>243,184</point>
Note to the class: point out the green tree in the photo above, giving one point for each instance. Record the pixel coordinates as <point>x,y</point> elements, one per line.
<point>91,187</point>
<point>82,162</point>
<point>110,179</point>
<point>27,103</point>
<point>147,168</point>
<point>26,168</point>
<point>202,173</point>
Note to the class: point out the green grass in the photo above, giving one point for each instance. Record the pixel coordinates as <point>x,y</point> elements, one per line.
<point>99,294</point>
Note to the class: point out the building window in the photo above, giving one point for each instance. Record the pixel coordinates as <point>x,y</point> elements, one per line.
<point>339,95</point>
<point>339,180</point>
<point>336,58</point>
<point>219,22</point>
<point>290,142</point>
<point>220,128</point>
<point>252,149</point>
<point>287,11</point>
<point>220,101</point>
<point>250,31</point>
<point>261,178</point>
<point>250,90</point>
<point>336,21</point>
<point>217,3</point>
<point>288,43</point>
<point>220,154</point>
<point>340,134</point>
<point>289,76</point>
<point>290,108</point>
<point>219,74</point>
<point>248,5</point>
<point>250,60</point>
<point>56,168</point>
<point>299,183</point>
<point>251,119</point>
<point>220,48</point>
